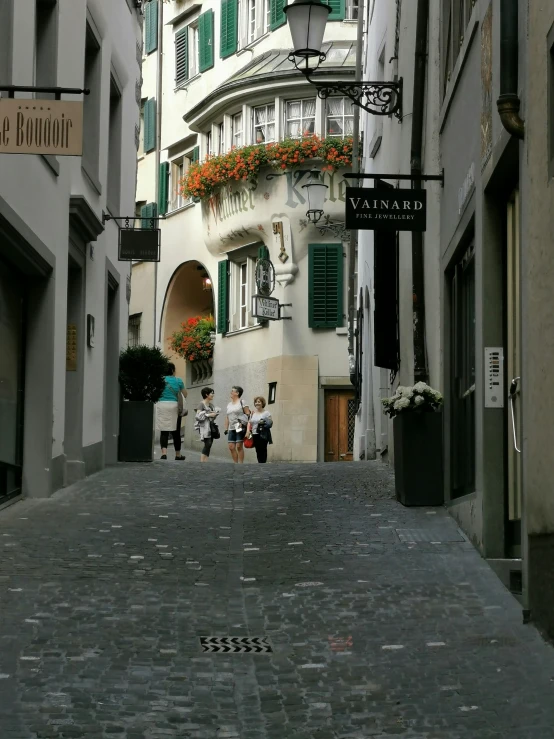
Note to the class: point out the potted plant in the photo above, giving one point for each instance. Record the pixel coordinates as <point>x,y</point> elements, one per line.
<point>142,370</point>
<point>194,341</point>
<point>418,455</point>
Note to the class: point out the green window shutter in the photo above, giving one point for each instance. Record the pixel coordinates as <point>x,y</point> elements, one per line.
<point>195,154</point>
<point>181,56</point>
<point>229,28</point>
<point>147,212</point>
<point>337,10</point>
<point>277,15</point>
<point>206,40</point>
<point>150,125</point>
<point>222,296</point>
<point>163,188</point>
<point>325,285</point>
<point>151,26</point>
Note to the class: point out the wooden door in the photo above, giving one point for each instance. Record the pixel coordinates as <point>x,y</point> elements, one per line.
<point>340,415</point>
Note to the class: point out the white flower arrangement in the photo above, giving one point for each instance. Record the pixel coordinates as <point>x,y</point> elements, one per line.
<point>418,399</point>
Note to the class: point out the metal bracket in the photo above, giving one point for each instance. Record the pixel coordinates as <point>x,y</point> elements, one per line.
<point>415,177</point>
<point>128,219</point>
<point>57,91</point>
<point>284,305</point>
<point>376,98</point>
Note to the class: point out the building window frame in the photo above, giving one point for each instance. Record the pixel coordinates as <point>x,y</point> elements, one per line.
<point>341,118</point>
<point>456,15</point>
<point>133,329</point>
<point>237,130</point>
<point>302,118</point>
<point>261,130</point>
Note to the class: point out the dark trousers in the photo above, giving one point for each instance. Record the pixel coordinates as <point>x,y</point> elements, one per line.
<point>164,437</point>
<point>260,445</point>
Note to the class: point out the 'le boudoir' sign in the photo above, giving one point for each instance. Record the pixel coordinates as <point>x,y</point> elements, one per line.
<point>41,127</point>
<point>386,210</point>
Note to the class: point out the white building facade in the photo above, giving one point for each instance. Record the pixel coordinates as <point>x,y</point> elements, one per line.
<point>224,82</point>
<point>63,293</point>
<point>386,294</point>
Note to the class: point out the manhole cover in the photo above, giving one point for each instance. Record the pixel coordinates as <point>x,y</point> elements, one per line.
<point>235,644</point>
<point>429,535</point>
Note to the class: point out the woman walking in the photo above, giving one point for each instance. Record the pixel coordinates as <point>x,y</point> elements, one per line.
<point>206,413</point>
<point>236,421</point>
<point>167,412</point>
<point>259,428</point>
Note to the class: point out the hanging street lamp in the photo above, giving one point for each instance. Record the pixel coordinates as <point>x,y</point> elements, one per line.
<point>307,20</point>
<point>315,194</point>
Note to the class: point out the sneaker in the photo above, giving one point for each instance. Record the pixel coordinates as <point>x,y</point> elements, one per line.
<point>164,456</point>
<point>181,456</point>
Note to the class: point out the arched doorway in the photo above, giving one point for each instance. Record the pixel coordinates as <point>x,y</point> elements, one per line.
<point>189,294</point>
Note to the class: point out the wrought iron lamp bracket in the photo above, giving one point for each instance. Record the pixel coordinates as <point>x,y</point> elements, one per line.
<point>377,98</point>
<point>152,220</point>
<point>335,228</point>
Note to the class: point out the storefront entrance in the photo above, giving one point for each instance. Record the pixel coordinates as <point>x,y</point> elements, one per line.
<point>12,354</point>
<point>340,418</point>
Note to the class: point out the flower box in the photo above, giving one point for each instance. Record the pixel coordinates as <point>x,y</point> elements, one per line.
<point>418,458</point>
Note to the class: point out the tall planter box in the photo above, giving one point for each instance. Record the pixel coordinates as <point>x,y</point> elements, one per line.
<point>418,456</point>
<point>136,423</point>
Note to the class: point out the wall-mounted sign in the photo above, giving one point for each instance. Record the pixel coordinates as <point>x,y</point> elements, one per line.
<point>386,210</point>
<point>266,308</point>
<point>137,244</point>
<point>494,377</point>
<point>41,127</point>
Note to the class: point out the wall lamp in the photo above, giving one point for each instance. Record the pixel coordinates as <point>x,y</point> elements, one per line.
<point>315,195</point>
<point>307,20</point>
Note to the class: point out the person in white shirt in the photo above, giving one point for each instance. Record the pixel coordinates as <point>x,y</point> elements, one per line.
<point>259,427</point>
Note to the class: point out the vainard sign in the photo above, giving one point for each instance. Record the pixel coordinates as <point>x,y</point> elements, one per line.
<point>386,210</point>
<point>41,127</point>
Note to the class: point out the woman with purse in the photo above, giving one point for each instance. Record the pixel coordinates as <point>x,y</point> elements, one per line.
<point>236,422</point>
<point>205,423</point>
<point>169,409</point>
<point>259,427</point>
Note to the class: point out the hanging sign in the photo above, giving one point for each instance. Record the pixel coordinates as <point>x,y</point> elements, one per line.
<point>41,127</point>
<point>139,244</point>
<point>386,210</point>
<point>266,308</point>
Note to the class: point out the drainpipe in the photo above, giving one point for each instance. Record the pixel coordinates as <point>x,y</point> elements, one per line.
<point>508,103</point>
<point>421,372</point>
<point>159,62</point>
<point>355,168</point>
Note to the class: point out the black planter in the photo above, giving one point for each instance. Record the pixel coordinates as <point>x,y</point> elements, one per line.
<point>418,459</point>
<point>136,423</point>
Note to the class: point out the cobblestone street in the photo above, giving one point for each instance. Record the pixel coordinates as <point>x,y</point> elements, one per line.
<point>383,621</point>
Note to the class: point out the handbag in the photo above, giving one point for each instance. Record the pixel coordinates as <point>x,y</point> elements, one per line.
<point>214,430</point>
<point>248,443</point>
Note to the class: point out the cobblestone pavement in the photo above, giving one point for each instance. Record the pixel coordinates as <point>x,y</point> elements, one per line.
<point>383,620</point>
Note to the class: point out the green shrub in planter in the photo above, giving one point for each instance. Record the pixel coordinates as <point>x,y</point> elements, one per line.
<point>142,370</point>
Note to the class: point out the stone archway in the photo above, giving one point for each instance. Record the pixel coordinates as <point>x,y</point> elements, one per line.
<point>186,297</point>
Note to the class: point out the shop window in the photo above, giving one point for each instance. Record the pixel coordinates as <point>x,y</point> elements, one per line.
<point>462,330</point>
<point>133,332</point>
<point>300,118</point>
<point>264,124</point>
<point>339,117</point>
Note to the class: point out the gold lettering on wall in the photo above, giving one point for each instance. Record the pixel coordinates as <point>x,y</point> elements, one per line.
<point>71,348</point>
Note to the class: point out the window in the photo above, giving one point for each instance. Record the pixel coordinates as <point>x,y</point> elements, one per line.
<point>339,117</point>
<point>114,148</point>
<point>149,125</point>
<point>264,124</point>
<point>141,134</point>
<point>463,374</point>
<point>300,118</point>
<point>178,169</point>
<point>220,132</point>
<point>209,148</point>
<point>243,295</point>
<point>237,133</point>
<point>251,20</point>
<point>325,286</point>
<point>194,53</point>
<point>267,15</point>
<point>91,104</point>
<point>133,331</point>
<point>235,289</point>
<point>351,10</point>
<point>456,15</point>
<point>46,44</point>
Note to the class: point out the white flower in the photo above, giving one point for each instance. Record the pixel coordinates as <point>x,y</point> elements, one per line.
<point>407,392</point>
<point>421,387</point>
<point>419,399</point>
<point>402,403</point>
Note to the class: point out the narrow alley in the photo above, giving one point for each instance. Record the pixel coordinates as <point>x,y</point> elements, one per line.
<point>367,619</point>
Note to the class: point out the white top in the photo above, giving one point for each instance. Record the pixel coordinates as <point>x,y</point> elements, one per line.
<point>234,411</point>
<point>256,417</point>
